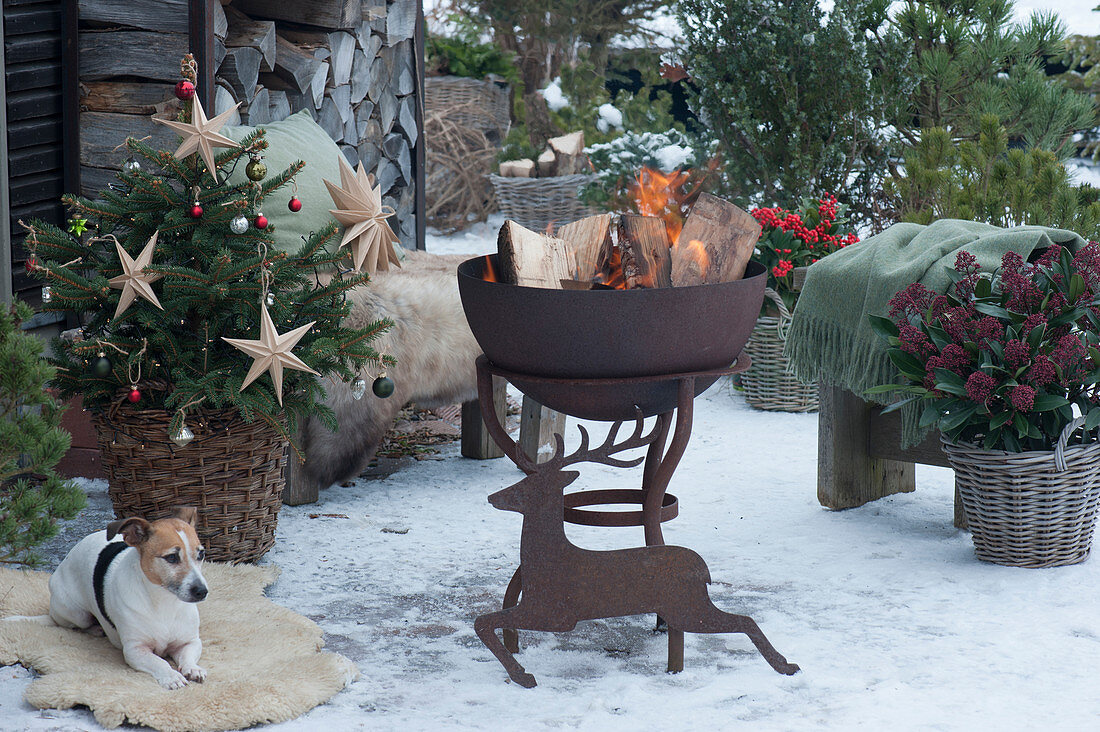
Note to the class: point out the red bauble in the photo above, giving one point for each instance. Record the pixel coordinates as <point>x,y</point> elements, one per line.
<point>260,222</point>
<point>134,396</point>
<point>185,90</point>
<point>196,211</point>
<point>32,264</point>
<point>294,204</point>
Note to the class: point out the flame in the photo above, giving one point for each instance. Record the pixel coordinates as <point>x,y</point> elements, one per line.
<point>612,273</point>
<point>661,195</point>
<point>488,273</point>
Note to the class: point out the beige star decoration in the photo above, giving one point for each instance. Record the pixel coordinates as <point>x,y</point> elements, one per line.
<point>272,352</point>
<point>201,134</point>
<point>134,280</point>
<point>359,208</point>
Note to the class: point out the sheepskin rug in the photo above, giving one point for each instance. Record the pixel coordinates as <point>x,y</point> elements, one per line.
<point>264,663</point>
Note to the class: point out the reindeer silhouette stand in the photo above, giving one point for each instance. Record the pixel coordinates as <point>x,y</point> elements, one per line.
<point>561,584</point>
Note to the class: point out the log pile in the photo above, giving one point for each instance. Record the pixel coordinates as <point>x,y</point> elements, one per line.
<point>563,155</point>
<point>350,63</point>
<point>631,251</point>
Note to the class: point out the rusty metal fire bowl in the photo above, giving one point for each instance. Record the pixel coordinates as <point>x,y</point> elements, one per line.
<point>603,335</point>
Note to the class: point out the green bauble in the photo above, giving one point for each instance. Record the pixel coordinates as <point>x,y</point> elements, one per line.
<point>382,387</point>
<point>101,367</point>
<point>255,170</point>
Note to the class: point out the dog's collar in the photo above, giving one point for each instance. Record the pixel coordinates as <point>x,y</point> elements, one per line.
<point>106,556</point>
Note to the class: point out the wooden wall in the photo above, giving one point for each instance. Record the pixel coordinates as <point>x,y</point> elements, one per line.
<point>33,127</point>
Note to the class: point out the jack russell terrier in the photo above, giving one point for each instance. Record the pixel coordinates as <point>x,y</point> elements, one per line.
<point>141,590</point>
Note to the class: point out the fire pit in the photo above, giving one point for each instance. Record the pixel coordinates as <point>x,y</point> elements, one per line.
<point>608,356</point>
<point>579,335</point>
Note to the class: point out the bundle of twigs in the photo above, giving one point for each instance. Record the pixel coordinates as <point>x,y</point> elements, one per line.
<point>459,160</point>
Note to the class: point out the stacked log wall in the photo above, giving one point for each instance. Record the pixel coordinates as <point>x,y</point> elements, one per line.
<point>351,63</point>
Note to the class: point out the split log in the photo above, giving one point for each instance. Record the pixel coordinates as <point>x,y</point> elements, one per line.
<point>547,164</point>
<point>318,84</point>
<point>258,34</point>
<point>241,68</point>
<point>727,235</point>
<point>644,244</point>
<point>342,46</point>
<point>407,119</point>
<point>592,245</point>
<point>149,56</point>
<point>294,65</point>
<point>362,116</point>
<point>259,109</point>
<point>331,14</point>
<point>533,260</point>
<point>221,22</point>
<point>164,16</point>
<point>330,120</point>
<point>387,174</point>
<point>125,97</point>
<point>400,21</point>
<point>341,96</point>
<point>360,77</point>
<point>568,153</point>
<point>387,111</point>
<point>219,52</point>
<point>518,169</point>
<point>223,100</point>
<point>279,104</point>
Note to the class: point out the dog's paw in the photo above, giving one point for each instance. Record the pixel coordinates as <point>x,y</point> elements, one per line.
<point>172,680</point>
<point>194,673</point>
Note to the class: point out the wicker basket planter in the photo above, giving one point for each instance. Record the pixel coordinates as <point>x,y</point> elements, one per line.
<point>768,383</point>
<point>483,105</point>
<point>1022,510</point>
<point>232,472</point>
<point>538,202</point>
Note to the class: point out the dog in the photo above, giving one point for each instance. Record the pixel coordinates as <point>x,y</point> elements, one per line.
<point>140,590</point>
<point>435,353</point>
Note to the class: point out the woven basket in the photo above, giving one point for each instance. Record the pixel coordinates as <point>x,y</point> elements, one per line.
<point>483,105</point>
<point>1023,510</point>
<point>538,202</point>
<point>232,472</point>
<point>768,383</point>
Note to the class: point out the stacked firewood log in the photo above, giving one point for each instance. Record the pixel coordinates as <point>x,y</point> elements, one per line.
<point>563,155</point>
<point>349,62</point>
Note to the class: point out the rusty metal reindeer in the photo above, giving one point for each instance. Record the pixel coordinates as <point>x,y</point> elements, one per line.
<point>563,584</point>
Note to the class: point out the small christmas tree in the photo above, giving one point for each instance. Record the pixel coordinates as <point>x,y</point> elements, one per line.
<point>32,496</point>
<point>182,295</point>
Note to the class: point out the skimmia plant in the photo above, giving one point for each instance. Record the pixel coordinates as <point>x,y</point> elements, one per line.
<point>1003,360</point>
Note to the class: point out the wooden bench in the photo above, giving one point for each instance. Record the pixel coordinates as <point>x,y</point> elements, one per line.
<point>859,458</point>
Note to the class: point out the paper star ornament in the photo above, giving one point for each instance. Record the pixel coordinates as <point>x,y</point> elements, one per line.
<point>359,208</point>
<point>134,280</point>
<point>272,352</point>
<point>201,134</point>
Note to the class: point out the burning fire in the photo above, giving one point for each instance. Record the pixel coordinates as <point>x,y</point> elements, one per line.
<point>488,273</point>
<point>662,195</point>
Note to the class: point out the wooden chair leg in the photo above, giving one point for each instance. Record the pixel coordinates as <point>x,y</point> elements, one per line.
<point>537,427</point>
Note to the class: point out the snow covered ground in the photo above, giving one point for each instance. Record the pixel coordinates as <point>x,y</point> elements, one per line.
<point>894,622</point>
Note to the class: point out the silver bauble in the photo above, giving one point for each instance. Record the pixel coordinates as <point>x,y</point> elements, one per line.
<point>239,224</point>
<point>47,294</point>
<point>270,299</point>
<point>358,388</point>
<point>131,166</point>
<point>183,436</point>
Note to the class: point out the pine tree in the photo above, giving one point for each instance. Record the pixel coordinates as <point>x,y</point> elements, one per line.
<point>213,283</point>
<point>32,496</point>
<point>986,180</point>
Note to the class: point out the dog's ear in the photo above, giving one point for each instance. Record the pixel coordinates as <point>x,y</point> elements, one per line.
<point>187,514</point>
<point>134,530</point>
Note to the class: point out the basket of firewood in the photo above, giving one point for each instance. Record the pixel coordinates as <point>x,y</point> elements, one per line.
<point>544,192</point>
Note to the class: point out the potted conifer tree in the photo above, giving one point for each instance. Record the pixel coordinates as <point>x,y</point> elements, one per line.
<point>200,340</point>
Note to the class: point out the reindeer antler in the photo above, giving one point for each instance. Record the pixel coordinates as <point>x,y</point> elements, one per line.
<point>603,453</point>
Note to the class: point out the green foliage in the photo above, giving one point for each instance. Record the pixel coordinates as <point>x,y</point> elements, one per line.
<point>798,100</point>
<point>970,60</point>
<point>985,180</point>
<point>32,496</point>
<point>211,286</point>
<point>1081,58</point>
<point>464,56</point>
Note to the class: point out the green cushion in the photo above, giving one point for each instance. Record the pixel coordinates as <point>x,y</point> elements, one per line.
<point>295,138</point>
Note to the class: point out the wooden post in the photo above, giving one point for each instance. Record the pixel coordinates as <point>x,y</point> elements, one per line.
<point>476,442</point>
<point>537,427</point>
<point>847,475</point>
<point>299,490</point>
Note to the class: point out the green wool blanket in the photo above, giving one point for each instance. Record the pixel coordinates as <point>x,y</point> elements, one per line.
<point>830,338</point>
